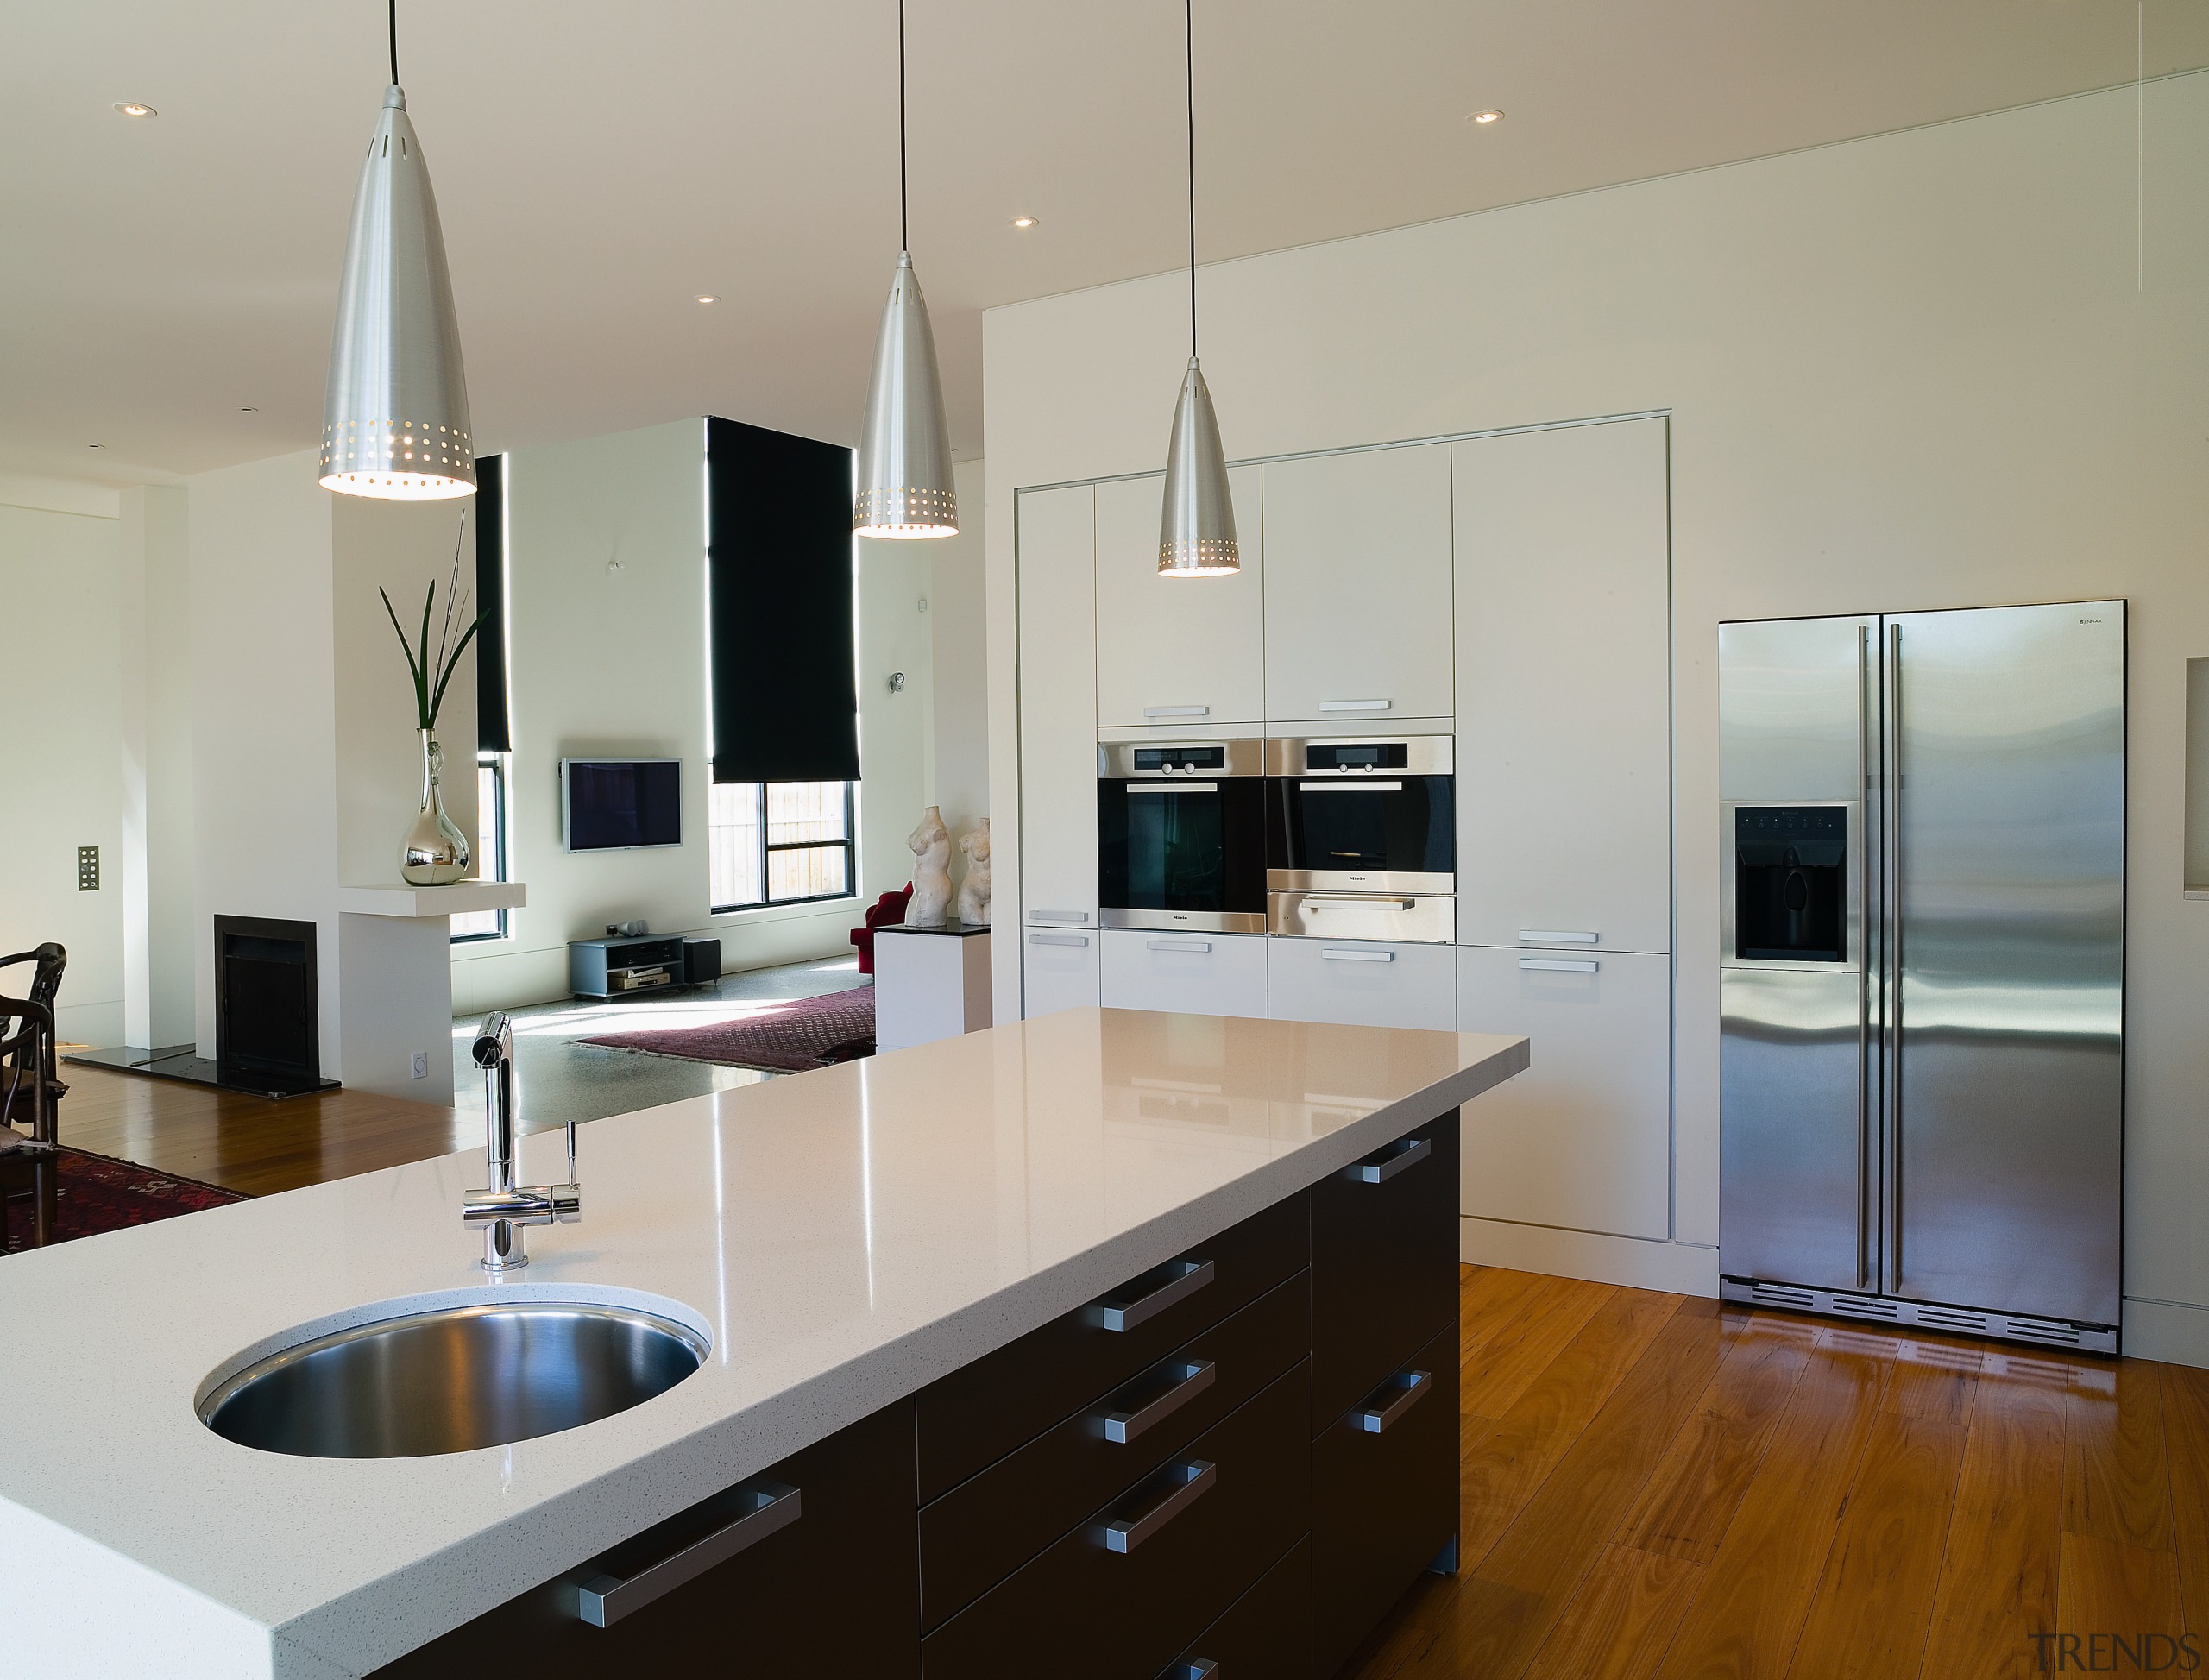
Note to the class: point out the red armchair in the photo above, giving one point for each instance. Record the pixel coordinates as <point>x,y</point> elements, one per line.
<point>889,909</point>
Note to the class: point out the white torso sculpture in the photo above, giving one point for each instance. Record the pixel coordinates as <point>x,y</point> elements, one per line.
<point>931,845</point>
<point>974,888</point>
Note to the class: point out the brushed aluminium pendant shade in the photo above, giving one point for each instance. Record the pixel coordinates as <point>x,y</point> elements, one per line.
<point>1196,526</point>
<point>1196,537</point>
<point>906,488</point>
<point>395,420</point>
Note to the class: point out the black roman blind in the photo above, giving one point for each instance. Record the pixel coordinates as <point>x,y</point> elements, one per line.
<point>492,733</point>
<point>778,559</point>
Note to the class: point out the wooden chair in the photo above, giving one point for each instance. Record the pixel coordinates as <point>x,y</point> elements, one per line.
<point>48,961</point>
<point>29,1166</point>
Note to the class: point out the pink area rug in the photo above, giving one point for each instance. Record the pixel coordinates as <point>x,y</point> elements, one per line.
<point>786,1037</point>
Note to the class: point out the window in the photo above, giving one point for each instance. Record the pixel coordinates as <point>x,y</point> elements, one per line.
<point>779,843</point>
<point>490,847</point>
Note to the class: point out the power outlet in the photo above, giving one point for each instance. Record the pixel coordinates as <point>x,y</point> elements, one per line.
<point>421,1063</point>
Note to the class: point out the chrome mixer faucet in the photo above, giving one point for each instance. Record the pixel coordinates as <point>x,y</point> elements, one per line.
<point>501,1208</point>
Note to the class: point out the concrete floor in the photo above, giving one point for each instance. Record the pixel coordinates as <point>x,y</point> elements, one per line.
<point>556,1080</point>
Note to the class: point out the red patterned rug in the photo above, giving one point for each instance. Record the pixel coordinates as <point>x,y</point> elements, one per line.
<point>784,1037</point>
<point>96,1193</point>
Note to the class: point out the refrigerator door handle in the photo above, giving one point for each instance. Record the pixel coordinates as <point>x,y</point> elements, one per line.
<point>1866,1098</point>
<point>1890,1173</point>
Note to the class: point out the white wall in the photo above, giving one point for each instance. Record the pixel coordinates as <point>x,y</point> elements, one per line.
<point>154,604</point>
<point>960,756</point>
<point>59,675</point>
<point>1954,366</point>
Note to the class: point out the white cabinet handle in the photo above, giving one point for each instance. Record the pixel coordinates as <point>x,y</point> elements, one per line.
<point>1353,705</point>
<point>1337,953</point>
<point>1568,964</point>
<point>1177,711</point>
<point>1059,916</point>
<point>1550,936</point>
<point>1058,939</point>
<point>1177,944</point>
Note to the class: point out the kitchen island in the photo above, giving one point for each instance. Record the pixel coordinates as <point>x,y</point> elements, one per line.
<point>930,1281</point>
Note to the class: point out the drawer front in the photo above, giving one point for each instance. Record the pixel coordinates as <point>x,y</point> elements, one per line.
<point>1384,1265</point>
<point>1362,983</point>
<point>1190,973</point>
<point>852,1547</point>
<point>973,1417</point>
<point>1084,1611</point>
<point>1265,1635</point>
<point>1385,1499</point>
<point>1058,966</point>
<point>990,1525</point>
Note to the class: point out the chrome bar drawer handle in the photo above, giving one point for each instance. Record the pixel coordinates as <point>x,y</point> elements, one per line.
<point>1081,917</point>
<point>1194,1480</point>
<point>605,1599</point>
<point>1058,939</point>
<point>1178,945</point>
<point>1407,1152</point>
<point>1409,1387</point>
<point>1336,953</point>
<point>1196,1375</point>
<point>1177,711</point>
<point>1353,705</point>
<point>1194,1275</point>
<point>1551,937</point>
<point>1568,964</point>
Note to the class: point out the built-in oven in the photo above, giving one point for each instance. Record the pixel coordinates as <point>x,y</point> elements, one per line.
<point>1180,836</point>
<point>1362,838</point>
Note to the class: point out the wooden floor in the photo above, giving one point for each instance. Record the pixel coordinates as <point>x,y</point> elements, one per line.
<point>251,1143</point>
<point>1660,1485</point>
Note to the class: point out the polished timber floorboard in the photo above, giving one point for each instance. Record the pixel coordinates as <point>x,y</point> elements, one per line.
<point>1663,1485</point>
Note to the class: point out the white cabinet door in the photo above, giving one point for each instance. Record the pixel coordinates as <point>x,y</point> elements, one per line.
<point>1360,983</point>
<point>1564,687</point>
<point>1058,970</point>
<point>1357,586</point>
<point>1583,1138</point>
<point>1173,650</point>
<point>1185,973</point>
<point>1058,709</point>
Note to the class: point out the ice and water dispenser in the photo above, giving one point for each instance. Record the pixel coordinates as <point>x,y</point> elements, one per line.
<point>1790,883</point>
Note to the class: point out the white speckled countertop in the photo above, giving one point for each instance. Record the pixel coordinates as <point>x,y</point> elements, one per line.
<point>848,1236</point>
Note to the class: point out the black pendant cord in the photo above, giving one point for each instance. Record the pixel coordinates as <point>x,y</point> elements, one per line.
<point>1189,62</point>
<point>394,43</point>
<point>904,235</point>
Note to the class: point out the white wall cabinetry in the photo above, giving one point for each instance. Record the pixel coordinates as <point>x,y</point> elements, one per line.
<point>1583,1139</point>
<point>1177,650</point>
<point>1187,973</point>
<point>1357,586</point>
<point>1058,735</point>
<point>1362,983</point>
<point>1564,678</point>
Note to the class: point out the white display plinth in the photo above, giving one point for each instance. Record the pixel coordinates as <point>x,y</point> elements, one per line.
<point>458,899</point>
<point>929,983</point>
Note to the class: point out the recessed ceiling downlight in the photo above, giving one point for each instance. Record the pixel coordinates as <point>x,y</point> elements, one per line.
<point>709,297</point>
<point>1483,118</point>
<point>131,107</point>
<point>1023,221</point>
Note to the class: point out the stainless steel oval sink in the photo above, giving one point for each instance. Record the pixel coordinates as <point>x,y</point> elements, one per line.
<point>478,1376</point>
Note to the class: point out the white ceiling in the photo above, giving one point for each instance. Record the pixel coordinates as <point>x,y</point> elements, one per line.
<point>598,165</point>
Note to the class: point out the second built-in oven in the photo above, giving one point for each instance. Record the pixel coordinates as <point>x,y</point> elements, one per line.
<point>1362,838</point>
<point>1180,836</point>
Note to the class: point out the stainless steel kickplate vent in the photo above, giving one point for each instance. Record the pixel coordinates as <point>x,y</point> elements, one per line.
<point>1888,1309</point>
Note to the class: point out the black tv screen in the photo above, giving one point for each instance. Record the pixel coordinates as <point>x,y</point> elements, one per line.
<point>617,804</point>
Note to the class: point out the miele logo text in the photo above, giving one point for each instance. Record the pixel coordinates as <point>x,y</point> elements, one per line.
<point>2116,1653</point>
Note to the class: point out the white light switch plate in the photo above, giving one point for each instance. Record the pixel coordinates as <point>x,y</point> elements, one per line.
<point>421,1063</point>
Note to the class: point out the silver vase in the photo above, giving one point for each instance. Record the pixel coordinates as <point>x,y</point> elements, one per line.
<point>435,854</point>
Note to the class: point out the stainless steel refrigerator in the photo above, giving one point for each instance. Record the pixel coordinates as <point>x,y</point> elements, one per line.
<point>1921,985</point>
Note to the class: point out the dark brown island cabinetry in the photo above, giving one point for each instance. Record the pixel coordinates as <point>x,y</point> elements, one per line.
<point>1231,1466</point>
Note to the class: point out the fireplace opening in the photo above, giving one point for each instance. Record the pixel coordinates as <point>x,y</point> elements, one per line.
<point>267,1030</point>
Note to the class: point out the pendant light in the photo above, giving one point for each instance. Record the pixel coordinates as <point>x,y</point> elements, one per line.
<point>395,413</point>
<point>1196,532</point>
<point>906,488</point>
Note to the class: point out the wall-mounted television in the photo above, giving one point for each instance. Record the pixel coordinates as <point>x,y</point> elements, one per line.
<point>620,804</point>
